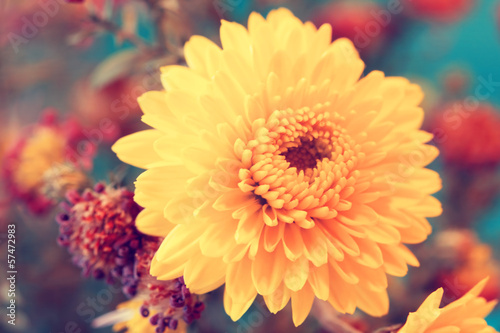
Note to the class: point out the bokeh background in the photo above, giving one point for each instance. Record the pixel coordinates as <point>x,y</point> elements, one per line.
<point>89,60</point>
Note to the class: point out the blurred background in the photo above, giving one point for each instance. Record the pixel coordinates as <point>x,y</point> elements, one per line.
<point>79,66</point>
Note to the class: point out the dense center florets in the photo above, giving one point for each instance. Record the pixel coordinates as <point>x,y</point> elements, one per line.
<point>299,165</point>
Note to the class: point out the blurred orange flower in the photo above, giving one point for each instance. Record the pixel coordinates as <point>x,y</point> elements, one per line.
<point>275,169</point>
<point>478,263</point>
<point>465,315</point>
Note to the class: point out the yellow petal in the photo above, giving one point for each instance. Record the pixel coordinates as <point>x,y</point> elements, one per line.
<point>137,149</point>
<point>218,239</point>
<point>236,309</point>
<point>319,281</point>
<point>315,248</point>
<point>273,236</point>
<point>182,78</point>
<point>278,299</point>
<point>296,274</point>
<point>202,55</point>
<point>149,194</point>
<point>374,303</point>
<point>302,302</point>
<point>239,283</point>
<point>175,250</point>
<point>150,222</point>
<point>203,274</point>
<point>292,242</point>
<point>268,270</point>
<point>250,225</point>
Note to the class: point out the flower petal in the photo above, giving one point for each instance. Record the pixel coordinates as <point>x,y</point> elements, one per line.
<point>150,222</point>
<point>302,302</point>
<point>137,149</point>
<point>268,270</point>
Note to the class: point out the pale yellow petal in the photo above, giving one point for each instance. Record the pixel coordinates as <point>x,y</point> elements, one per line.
<point>137,149</point>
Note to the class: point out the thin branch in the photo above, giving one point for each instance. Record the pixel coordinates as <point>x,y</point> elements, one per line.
<point>118,31</point>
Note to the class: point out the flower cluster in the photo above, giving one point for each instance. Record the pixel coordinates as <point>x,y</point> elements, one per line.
<point>98,229</point>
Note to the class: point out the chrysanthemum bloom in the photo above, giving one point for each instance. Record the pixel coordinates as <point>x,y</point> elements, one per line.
<point>46,152</point>
<point>98,229</point>
<point>468,137</point>
<point>465,315</point>
<point>275,169</point>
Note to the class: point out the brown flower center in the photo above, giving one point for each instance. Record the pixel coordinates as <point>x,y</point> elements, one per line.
<point>307,153</point>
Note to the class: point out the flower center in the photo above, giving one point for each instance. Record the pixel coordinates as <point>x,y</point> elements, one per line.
<point>299,165</point>
<point>307,153</point>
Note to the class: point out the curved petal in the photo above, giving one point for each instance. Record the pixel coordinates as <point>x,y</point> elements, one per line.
<point>137,149</point>
<point>150,222</point>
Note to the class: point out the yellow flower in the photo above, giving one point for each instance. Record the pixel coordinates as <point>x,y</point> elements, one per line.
<point>273,168</point>
<point>465,315</point>
<point>41,163</point>
<point>42,150</point>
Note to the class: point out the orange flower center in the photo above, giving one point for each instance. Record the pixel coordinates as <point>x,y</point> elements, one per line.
<point>299,165</point>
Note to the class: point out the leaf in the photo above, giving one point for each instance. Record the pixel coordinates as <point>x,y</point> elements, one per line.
<point>116,66</point>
